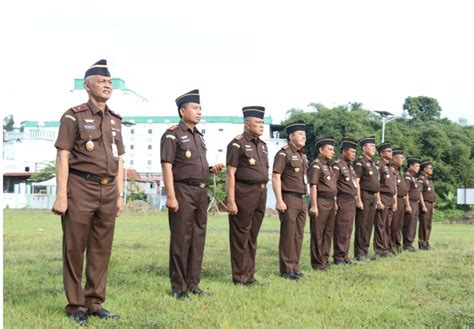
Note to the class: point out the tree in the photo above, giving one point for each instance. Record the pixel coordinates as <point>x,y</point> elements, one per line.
<point>8,124</point>
<point>48,172</point>
<point>422,108</point>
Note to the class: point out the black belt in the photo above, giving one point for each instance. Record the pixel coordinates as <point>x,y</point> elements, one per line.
<point>401,196</point>
<point>367,191</point>
<point>262,185</point>
<point>296,194</point>
<point>346,196</point>
<point>94,178</point>
<point>328,196</point>
<point>386,193</point>
<point>416,200</point>
<point>192,182</point>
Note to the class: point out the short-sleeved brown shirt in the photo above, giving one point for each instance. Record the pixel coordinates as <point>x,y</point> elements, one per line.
<point>388,179</point>
<point>185,149</point>
<point>366,169</point>
<point>250,156</point>
<point>413,188</point>
<point>345,177</point>
<point>93,137</point>
<point>292,165</point>
<point>321,174</point>
<point>401,184</point>
<point>427,188</point>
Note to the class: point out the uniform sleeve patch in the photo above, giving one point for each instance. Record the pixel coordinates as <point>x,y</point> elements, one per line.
<point>358,164</point>
<point>316,166</point>
<point>282,153</point>
<point>170,136</point>
<point>335,167</point>
<point>70,117</point>
<point>236,145</point>
<point>238,137</point>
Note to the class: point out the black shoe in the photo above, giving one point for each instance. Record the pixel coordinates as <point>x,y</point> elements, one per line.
<point>200,292</point>
<point>300,274</point>
<point>180,295</point>
<point>104,314</point>
<point>290,276</point>
<point>339,262</point>
<point>428,247</point>
<point>347,261</point>
<point>320,268</point>
<point>361,258</point>
<point>411,249</point>
<point>79,317</point>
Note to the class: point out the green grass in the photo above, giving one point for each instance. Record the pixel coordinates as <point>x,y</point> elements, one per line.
<point>424,289</point>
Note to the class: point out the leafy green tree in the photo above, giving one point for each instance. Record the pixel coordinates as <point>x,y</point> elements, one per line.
<point>48,172</point>
<point>422,108</point>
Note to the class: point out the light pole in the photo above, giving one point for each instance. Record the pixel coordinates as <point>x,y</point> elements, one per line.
<point>127,124</point>
<point>386,117</point>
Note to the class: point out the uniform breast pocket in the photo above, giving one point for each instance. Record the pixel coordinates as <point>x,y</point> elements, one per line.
<point>296,166</point>
<point>187,151</point>
<point>250,157</point>
<point>90,138</point>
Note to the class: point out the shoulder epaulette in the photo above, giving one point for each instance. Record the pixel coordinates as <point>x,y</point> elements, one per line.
<point>115,114</point>
<point>316,161</point>
<point>238,137</point>
<point>80,108</point>
<point>285,147</point>
<point>172,128</point>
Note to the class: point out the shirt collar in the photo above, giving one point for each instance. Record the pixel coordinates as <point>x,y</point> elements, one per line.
<point>322,159</point>
<point>185,127</point>
<point>95,109</point>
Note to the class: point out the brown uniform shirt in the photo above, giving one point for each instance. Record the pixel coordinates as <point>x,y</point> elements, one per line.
<point>388,179</point>
<point>413,188</point>
<point>250,156</point>
<point>322,175</point>
<point>401,184</point>
<point>366,169</point>
<point>93,137</point>
<point>292,165</point>
<point>185,149</point>
<point>427,188</point>
<point>345,177</point>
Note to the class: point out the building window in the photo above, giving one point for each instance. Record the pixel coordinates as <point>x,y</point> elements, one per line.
<point>203,131</point>
<point>149,162</point>
<point>150,131</point>
<point>149,147</point>
<point>132,147</point>
<point>131,162</point>
<point>220,150</point>
<point>221,129</point>
<point>132,131</point>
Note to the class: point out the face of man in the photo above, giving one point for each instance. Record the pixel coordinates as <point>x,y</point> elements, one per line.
<point>369,149</point>
<point>428,170</point>
<point>254,126</point>
<point>327,151</point>
<point>99,87</point>
<point>398,160</point>
<point>414,167</point>
<point>387,154</point>
<point>348,154</point>
<point>191,113</point>
<point>298,138</point>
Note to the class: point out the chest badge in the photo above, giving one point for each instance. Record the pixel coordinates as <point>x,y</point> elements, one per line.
<point>187,154</point>
<point>90,146</point>
<point>398,181</point>
<point>297,169</point>
<point>429,188</point>
<point>328,177</point>
<point>112,121</point>
<point>347,179</point>
<point>252,161</point>
<point>387,176</point>
<point>371,172</point>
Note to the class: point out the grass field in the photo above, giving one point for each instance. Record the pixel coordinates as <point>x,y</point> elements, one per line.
<point>424,289</point>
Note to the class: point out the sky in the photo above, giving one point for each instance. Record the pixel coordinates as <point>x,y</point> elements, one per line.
<point>278,54</point>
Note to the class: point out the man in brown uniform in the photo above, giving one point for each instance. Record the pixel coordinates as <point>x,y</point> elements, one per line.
<point>247,177</point>
<point>185,174</point>
<point>368,180</point>
<point>322,209</point>
<point>89,175</point>
<point>289,185</point>
<point>426,205</point>
<point>347,191</point>
<point>411,213</point>
<point>388,196</point>
<point>402,201</point>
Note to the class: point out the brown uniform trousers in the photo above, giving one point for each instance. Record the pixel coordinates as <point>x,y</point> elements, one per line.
<point>364,224</point>
<point>188,235</point>
<point>382,224</point>
<point>322,229</point>
<point>244,229</point>
<point>343,227</point>
<point>397,224</point>
<point>292,223</point>
<point>93,137</point>
<point>409,225</point>
<point>424,229</point>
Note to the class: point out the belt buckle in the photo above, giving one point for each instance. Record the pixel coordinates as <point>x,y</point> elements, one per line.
<point>303,195</point>
<point>202,185</point>
<point>104,181</point>
<point>262,186</point>
<point>335,198</point>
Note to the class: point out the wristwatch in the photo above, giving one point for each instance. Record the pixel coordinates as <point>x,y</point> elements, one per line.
<point>121,195</point>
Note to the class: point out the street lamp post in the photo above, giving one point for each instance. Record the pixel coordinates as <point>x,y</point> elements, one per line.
<point>127,124</point>
<point>386,117</point>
